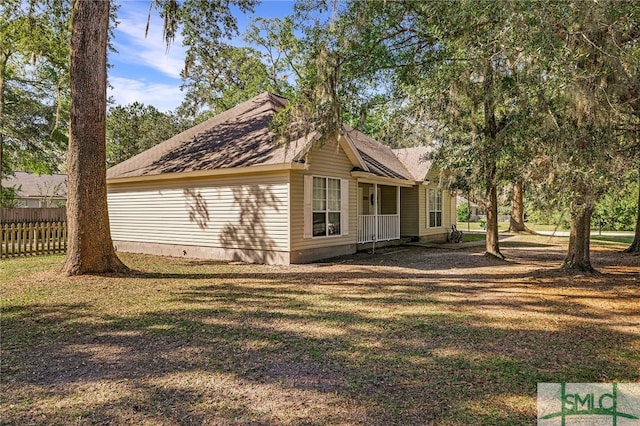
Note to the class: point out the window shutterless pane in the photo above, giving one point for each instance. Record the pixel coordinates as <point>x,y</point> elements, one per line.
<point>334,224</point>
<point>334,194</point>
<point>319,224</point>
<point>319,194</point>
<point>435,208</point>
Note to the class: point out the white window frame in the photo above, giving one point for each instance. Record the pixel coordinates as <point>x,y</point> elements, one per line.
<point>433,208</point>
<point>327,211</point>
<point>308,207</point>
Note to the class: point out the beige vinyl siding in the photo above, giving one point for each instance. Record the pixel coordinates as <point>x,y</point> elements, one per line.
<point>244,212</point>
<point>409,212</point>
<point>424,211</point>
<point>388,201</point>
<point>326,160</point>
<point>448,213</point>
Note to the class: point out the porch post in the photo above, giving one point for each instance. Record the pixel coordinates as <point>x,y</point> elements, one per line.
<point>398,209</point>
<point>375,210</point>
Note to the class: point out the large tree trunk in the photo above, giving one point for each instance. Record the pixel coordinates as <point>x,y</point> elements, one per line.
<point>516,222</point>
<point>578,257</point>
<point>635,245</point>
<point>492,241</point>
<point>491,130</point>
<point>90,248</point>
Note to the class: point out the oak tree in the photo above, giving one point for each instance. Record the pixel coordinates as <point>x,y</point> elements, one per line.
<point>90,249</point>
<point>34,84</point>
<point>90,246</point>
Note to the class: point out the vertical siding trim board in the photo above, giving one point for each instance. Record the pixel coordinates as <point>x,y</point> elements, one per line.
<point>308,215</point>
<point>344,206</point>
<point>288,210</point>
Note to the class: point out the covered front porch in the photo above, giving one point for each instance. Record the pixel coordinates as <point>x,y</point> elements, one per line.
<point>378,212</point>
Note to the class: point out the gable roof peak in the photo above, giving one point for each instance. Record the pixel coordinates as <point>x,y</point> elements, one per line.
<point>416,160</point>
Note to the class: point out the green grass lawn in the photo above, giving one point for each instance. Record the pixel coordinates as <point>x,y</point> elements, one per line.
<point>408,336</point>
<point>475,226</point>
<point>603,239</point>
<point>503,227</point>
<point>473,236</point>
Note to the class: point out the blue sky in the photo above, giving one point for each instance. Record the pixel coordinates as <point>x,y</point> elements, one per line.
<point>143,70</point>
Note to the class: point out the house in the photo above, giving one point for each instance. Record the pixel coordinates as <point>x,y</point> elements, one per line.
<point>33,190</point>
<point>224,190</point>
<point>477,210</point>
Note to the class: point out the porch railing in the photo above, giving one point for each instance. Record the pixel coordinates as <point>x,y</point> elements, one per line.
<point>388,227</point>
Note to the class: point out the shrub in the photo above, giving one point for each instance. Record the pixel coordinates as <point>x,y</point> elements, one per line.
<point>463,212</point>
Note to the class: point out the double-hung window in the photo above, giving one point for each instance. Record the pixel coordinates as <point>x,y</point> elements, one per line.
<point>327,200</point>
<point>435,208</point>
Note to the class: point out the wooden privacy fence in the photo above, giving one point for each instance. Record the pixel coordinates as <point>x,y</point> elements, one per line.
<point>32,214</point>
<point>30,239</point>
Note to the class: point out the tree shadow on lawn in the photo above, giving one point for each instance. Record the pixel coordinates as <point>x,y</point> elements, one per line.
<point>528,267</point>
<point>338,348</point>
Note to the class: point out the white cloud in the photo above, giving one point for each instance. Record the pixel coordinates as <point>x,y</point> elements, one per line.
<point>134,48</point>
<point>165,97</point>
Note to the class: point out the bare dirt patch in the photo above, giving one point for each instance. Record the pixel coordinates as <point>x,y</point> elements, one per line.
<point>406,336</point>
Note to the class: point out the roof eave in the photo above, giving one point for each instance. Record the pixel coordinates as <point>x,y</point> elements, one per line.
<point>367,177</point>
<point>261,168</point>
<point>352,152</point>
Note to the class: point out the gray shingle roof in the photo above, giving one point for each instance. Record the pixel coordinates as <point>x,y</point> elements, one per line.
<point>32,185</point>
<point>240,137</point>
<point>379,158</point>
<point>416,160</point>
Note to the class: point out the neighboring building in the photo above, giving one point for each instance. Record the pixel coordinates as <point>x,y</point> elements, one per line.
<point>225,190</point>
<point>38,190</point>
<point>477,210</point>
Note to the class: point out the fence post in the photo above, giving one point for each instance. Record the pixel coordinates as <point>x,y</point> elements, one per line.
<point>17,234</point>
<point>25,238</point>
<point>47,235</point>
<point>36,233</point>
<point>5,240</point>
<point>58,238</point>
<point>20,238</point>
<point>13,240</point>
<point>29,241</point>
<point>55,237</point>
<point>64,235</point>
